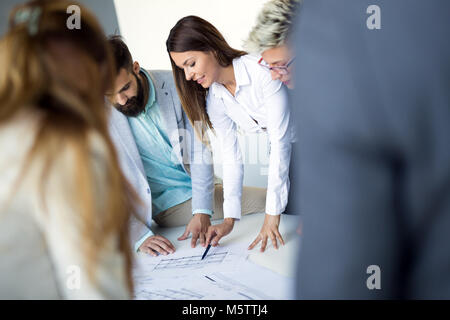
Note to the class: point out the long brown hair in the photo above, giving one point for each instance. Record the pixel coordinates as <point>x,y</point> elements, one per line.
<point>193,33</point>
<point>36,77</point>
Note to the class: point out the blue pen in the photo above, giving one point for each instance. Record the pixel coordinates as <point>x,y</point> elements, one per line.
<point>206,251</point>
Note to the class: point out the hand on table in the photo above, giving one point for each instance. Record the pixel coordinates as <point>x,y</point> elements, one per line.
<point>198,226</point>
<point>216,232</point>
<point>157,244</point>
<point>268,230</point>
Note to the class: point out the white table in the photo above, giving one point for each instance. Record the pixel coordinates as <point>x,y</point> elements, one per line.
<point>281,261</point>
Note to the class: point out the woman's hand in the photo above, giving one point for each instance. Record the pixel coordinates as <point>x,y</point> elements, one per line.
<point>198,226</point>
<point>216,232</point>
<point>268,230</point>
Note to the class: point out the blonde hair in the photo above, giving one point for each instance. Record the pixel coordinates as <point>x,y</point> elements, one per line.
<point>36,77</point>
<point>272,25</point>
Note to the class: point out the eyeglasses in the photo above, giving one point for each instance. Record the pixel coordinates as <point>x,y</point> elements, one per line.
<point>283,70</point>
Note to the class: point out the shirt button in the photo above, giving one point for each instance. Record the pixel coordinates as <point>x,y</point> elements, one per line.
<point>148,190</point>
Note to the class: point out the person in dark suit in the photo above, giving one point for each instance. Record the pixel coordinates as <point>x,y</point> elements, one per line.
<point>372,100</point>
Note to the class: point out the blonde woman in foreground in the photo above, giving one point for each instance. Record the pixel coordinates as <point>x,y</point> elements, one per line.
<point>64,204</point>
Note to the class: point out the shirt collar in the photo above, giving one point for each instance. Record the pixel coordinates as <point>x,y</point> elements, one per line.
<point>151,91</point>
<point>241,75</point>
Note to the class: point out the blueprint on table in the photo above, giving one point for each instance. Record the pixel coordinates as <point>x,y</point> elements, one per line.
<point>187,261</point>
<point>224,274</point>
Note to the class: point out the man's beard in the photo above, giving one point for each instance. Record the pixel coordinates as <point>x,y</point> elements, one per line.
<point>134,105</point>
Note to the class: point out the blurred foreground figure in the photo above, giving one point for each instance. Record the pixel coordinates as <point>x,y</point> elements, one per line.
<point>64,204</point>
<point>373,104</point>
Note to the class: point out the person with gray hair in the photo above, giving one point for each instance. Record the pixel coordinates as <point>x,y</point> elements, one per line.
<point>269,38</point>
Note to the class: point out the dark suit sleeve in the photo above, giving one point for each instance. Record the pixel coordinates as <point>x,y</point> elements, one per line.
<point>372,111</point>
<point>347,173</point>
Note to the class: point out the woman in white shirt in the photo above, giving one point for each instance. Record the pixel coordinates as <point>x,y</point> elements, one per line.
<point>64,203</point>
<point>222,88</point>
<point>271,39</point>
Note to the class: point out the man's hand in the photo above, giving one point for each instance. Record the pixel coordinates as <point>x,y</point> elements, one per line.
<point>198,226</point>
<point>268,230</point>
<point>157,244</point>
<point>216,232</point>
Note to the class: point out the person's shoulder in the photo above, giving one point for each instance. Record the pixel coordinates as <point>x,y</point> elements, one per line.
<point>160,73</point>
<point>214,93</point>
<point>14,154</point>
<point>259,76</point>
<point>254,69</point>
<point>212,101</point>
<point>114,115</point>
<point>162,78</point>
<point>23,121</point>
<point>209,99</point>
<point>250,59</point>
<point>19,121</point>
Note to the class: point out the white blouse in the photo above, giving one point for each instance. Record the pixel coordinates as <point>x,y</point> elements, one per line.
<point>259,104</point>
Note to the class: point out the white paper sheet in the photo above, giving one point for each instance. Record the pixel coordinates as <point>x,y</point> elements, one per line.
<point>195,287</point>
<point>227,275</point>
<point>187,261</point>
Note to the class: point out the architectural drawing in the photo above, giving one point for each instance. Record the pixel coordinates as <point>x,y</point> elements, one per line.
<point>191,261</point>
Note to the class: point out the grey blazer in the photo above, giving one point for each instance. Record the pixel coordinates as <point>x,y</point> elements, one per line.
<point>195,158</point>
<point>373,118</point>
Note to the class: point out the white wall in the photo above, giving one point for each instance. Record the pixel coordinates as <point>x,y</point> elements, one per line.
<point>145,26</point>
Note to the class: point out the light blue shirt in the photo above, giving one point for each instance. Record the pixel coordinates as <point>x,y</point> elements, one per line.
<point>169,183</point>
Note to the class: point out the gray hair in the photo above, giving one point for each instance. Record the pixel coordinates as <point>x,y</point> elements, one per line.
<point>272,25</point>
